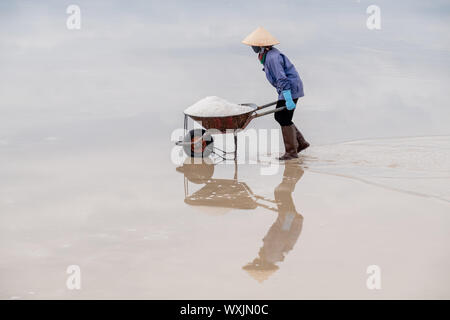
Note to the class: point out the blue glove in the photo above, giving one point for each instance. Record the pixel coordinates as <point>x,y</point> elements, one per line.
<point>290,105</point>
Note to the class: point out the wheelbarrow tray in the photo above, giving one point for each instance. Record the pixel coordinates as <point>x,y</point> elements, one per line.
<point>222,124</point>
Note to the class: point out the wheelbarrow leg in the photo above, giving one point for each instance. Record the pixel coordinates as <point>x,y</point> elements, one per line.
<point>235,156</point>
<point>235,145</point>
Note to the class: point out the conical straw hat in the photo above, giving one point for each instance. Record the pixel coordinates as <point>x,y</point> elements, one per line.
<point>261,38</point>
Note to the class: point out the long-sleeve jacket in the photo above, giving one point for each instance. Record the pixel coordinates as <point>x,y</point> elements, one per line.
<point>282,74</point>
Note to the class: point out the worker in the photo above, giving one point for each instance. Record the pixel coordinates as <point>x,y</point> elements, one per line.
<point>282,74</point>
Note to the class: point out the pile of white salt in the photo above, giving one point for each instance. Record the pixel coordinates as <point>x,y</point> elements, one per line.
<point>216,107</point>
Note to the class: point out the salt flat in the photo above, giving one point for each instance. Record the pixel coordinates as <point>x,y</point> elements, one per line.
<point>122,214</point>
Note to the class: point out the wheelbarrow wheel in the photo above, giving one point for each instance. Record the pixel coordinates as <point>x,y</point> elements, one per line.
<point>198,143</point>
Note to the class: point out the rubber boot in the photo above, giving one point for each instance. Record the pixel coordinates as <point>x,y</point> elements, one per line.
<point>290,142</point>
<point>302,143</point>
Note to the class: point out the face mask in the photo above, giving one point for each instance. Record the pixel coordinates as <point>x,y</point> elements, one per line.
<point>256,49</point>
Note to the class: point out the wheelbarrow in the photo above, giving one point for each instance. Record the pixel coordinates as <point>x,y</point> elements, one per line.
<point>200,143</point>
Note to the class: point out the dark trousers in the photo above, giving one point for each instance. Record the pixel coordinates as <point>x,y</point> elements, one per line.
<point>284,118</point>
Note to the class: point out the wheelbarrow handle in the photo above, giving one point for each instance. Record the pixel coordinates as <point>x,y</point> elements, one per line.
<point>257,115</point>
<point>267,105</point>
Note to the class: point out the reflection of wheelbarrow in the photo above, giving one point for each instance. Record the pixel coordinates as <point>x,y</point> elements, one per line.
<point>199,142</point>
<point>218,195</point>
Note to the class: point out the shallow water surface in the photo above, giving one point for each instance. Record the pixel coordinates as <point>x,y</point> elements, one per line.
<point>139,226</point>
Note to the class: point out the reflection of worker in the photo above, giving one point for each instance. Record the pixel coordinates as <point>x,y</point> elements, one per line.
<point>282,74</point>
<point>284,232</point>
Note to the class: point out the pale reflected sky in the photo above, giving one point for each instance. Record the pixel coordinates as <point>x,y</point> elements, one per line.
<point>146,61</point>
